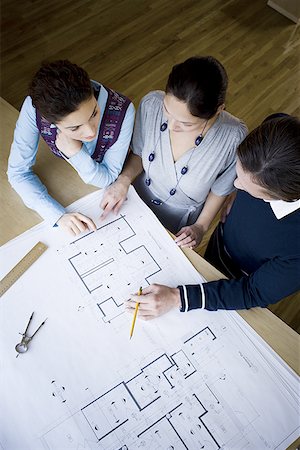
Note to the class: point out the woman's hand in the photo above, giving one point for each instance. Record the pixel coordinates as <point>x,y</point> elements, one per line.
<point>114,197</point>
<point>190,236</point>
<point>154,301</point>
<point>68,146</point>
<point>226,208</point>
<point>76,223</point>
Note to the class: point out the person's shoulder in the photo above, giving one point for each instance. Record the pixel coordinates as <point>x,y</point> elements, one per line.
<point>153,99</point>
<point>96,85</point>
<point>233,124</point>
<point>104,92</point>
<point>27,104</point>
<point>230,120</point>
<point>28,111</point>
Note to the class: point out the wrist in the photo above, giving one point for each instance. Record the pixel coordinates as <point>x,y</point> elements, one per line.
<point>202,225</point>
<point>124,179</point>
<point>176,298</point>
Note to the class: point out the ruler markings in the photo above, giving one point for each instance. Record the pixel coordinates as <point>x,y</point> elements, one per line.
<point>21,267</point>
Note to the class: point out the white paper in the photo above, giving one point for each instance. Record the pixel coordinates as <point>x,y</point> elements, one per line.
<point>184,381</point>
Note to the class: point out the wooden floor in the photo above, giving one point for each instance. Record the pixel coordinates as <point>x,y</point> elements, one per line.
<point>131,45</point>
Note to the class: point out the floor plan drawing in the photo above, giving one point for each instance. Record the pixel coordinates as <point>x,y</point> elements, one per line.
<point>161,381</point>
<point>184,400</point>
<point>183,382</point>
<point>93,270</point>
<point>108,261</point>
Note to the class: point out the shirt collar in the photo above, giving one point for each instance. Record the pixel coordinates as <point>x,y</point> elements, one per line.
<point>281,208</point>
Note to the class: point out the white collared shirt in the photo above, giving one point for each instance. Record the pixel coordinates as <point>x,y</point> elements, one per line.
<point>282,208</point>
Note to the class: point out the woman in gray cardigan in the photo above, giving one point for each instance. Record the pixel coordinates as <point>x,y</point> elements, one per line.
<point>183,151</point>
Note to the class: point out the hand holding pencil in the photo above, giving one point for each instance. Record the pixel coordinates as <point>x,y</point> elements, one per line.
<point>154,301</point>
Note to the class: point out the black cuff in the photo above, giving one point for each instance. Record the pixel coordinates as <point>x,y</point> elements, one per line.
<point>182,308</point>
<point>190,296</point>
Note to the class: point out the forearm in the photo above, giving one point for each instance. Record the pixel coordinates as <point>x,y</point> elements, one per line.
<point>220,294</point>
<point>270,283</point>
<point>211,207</point>
<point>92,172</point>
<point>35,196</point>
<point>132,168</point>
<point>103,174</point>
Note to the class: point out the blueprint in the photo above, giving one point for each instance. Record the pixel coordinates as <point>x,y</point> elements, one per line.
<point>200,380</point>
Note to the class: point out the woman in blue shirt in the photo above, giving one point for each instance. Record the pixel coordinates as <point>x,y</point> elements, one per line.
<point>83,122</point>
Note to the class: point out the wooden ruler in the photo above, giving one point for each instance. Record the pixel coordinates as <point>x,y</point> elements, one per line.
<point>21,267</point>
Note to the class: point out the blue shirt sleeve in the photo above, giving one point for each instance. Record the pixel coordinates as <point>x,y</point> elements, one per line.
<point>273,281</point>
<point>21,160</point>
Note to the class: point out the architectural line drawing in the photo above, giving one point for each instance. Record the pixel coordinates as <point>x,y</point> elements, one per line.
<point>176,401</point>
<point>201,380</point>
<point>98,260</point>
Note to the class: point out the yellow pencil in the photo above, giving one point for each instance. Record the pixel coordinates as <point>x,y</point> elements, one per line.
<point>135,314</point>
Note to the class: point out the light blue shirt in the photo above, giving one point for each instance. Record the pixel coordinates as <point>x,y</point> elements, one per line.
<point>23,156</point>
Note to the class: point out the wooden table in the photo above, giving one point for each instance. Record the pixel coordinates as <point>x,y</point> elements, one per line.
<point>16,218</point>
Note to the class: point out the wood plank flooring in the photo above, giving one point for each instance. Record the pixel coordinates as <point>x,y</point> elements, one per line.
<point>131,45</point>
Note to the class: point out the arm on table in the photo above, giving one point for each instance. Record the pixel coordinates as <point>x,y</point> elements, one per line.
<point>191,235</point>
<point>116,193</point>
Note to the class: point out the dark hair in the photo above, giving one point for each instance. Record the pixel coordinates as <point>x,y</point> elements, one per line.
<point>271,153</point>
<point>201,82</point>
<point>58,88</point>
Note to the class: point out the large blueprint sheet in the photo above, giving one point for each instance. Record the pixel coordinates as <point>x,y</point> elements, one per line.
<point>184,381</point>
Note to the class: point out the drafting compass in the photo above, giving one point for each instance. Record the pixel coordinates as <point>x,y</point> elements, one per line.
<point>22,347</point>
